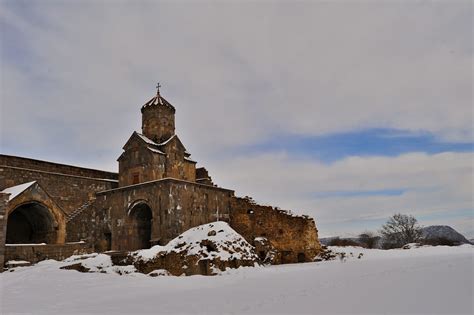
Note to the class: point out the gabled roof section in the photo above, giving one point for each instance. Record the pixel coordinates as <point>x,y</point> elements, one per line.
<point>156,147</point>
<point>175,138</point>
<point>147,140</point>
<point>14,191</point>
<point>150,144</point>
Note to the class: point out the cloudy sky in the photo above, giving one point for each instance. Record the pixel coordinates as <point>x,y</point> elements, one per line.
<point>349,111</point>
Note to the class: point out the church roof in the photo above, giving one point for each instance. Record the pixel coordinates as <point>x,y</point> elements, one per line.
<point>146,139</point>
<point>158,100</point>
<point>164,143</point>
<point>156,147</point>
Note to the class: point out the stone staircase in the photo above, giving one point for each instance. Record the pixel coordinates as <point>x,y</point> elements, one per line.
<point>79,210</point>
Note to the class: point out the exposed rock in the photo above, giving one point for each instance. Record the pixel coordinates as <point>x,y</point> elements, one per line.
<point>265,251</point>
<point>17,263</point>
<point>326,254</point>
<point>443,233</point>
<point>78,266</point>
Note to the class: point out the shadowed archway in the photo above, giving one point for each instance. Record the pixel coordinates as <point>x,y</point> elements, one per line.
<point>140,229</point>
<point>31,223</point>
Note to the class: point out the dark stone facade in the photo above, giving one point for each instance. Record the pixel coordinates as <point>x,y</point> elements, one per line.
<point>157,194</point>
<point>175,206</point>
<point>3,227</point>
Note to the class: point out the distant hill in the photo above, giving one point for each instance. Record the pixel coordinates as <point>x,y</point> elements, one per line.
<point>326,240</point>
<point>434,232</point>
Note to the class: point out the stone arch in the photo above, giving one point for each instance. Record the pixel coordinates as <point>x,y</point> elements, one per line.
<point>34,207</point>
<point>140,216</point>
<point>34,222</point>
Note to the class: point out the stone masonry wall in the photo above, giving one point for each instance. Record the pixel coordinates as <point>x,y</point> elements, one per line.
<point>93,226</point>
<point>55,167</point>
<point>176,207</point>
<point>295,238</point>
<point>38,252</point>
<point>3,227</point>
<point>68,191</point>
<point>140,160</point>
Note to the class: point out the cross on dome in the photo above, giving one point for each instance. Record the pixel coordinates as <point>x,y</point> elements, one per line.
<point>158,85</point>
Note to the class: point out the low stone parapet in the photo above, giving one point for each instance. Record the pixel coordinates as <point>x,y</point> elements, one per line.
<point>37,252</point>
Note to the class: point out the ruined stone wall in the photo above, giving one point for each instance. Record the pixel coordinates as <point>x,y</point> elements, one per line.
<point>38,252</point>
<point>202,176</point>
<point>3,227</point>
<point>176,207</point>
<point>68,191</point>
<point>295,238</point>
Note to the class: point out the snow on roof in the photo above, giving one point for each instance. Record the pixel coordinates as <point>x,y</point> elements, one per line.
<point>153,143</point>
<point>228,243</point>
<point>166,142</point>
<point>158,100</point>
<point>189,160</point>
<point>16,190</point>
<point>155,150</point>
<point>147,140</point>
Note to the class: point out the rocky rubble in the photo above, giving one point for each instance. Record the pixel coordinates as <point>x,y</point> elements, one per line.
<point>206,250</point>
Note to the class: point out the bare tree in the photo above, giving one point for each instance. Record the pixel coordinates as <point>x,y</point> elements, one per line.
<point>368,239</point>
<point>399,230</point>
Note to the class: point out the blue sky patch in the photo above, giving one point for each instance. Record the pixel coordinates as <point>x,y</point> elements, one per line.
<point>369,142</point>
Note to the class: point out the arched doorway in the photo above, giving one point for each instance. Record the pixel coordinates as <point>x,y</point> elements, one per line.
<point>141,218</point>
<point>31,223</point>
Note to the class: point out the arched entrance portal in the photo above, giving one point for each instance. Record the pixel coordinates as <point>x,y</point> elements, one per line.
<point>141,217</point>
<point>31,223</point>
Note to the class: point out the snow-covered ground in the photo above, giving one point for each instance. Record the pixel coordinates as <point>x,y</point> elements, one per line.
<point>427,280</point>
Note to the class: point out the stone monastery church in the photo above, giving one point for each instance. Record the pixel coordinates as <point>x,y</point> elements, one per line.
<point>51,211</point>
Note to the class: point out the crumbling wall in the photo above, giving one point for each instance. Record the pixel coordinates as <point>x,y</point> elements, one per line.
<point>202,176</point>
<point>292,238</point>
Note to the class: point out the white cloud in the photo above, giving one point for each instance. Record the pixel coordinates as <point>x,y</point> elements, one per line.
<point>74,75</point>
<point>431,184</point>
<point>239,72</point>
